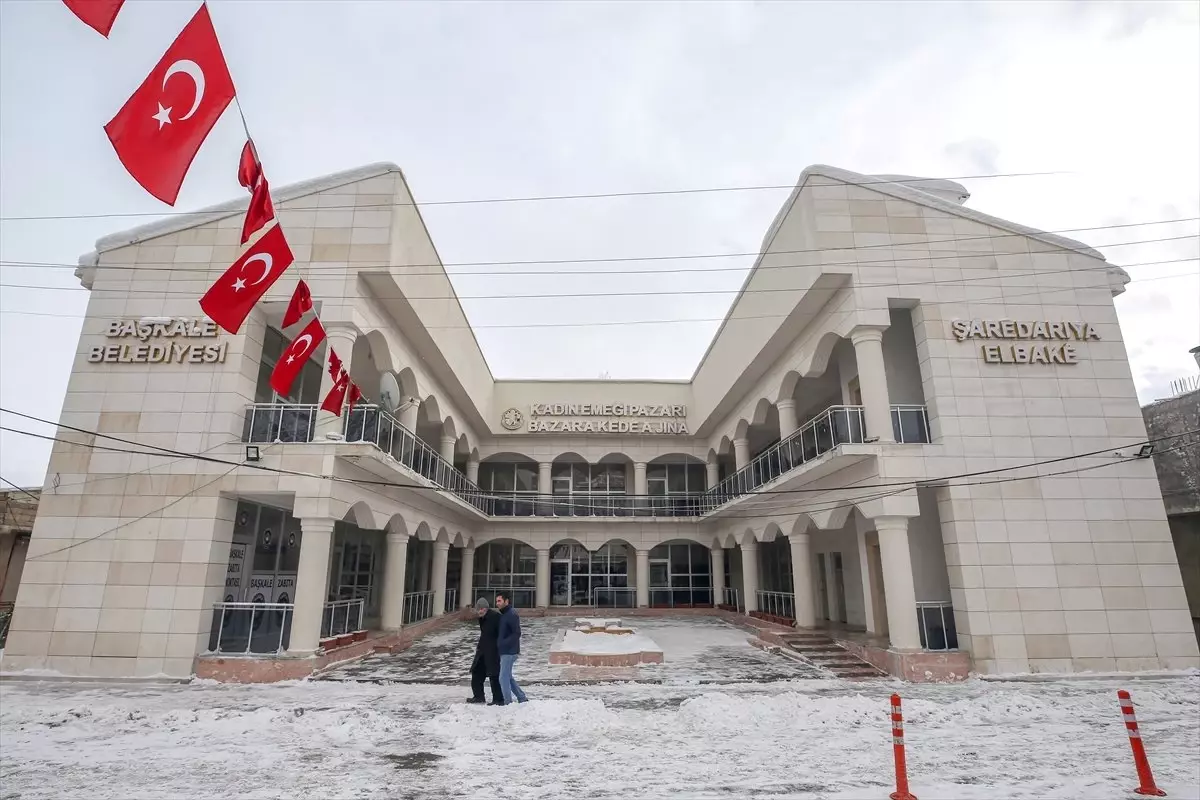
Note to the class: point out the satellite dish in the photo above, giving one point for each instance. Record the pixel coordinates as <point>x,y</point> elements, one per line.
<point>389,392</point>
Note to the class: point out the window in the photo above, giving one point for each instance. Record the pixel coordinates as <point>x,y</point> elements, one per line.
<point>356,566</point>
<point>581,578</point>
<point>512,479</point>
<point>307,388</point>
<point>680,575</point>
<point>505,565</point>
<point>586,489</point>
<point>673,485</point>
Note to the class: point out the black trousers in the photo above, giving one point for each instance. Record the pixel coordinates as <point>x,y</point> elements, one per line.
<point>479,671</point>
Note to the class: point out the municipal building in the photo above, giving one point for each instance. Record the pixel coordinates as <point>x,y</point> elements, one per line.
<point>916,429</point>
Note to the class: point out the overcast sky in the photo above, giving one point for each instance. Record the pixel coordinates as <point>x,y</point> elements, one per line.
<point>485,100</point>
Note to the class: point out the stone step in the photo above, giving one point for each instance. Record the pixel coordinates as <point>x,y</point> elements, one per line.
<point>824,653</point>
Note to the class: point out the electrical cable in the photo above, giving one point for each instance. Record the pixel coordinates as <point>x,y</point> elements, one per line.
<point>545,198</point>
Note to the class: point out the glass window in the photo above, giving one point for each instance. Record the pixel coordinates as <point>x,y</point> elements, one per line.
<point>499,557</point>
<point>504,565</point>
<point>526,477</point>
<point>677,478</point>
<point>697,474</point>
<point>683,570</point>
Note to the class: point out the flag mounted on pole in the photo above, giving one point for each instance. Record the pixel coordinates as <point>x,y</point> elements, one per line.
<point>249,169</point>
<point>159,130</point>
<point>336,399</point>
<point>96,14</point>
<point>250,175</point>
<point>229,300</point>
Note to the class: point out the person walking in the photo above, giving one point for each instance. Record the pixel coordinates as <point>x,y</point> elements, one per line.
<point>486,663</point>
<point>510,648</point>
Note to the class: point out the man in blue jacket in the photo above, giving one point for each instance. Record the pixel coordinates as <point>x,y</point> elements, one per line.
<point>510,648</point>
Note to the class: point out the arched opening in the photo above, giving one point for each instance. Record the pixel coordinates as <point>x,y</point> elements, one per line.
<point>579,577</point>
<point>505,565</point>
<point>368,361</point>
<point>512,479</point>
<point>674,482</point>
<point>355,574</point>
<point>680,575</point>
<point>580,489</point>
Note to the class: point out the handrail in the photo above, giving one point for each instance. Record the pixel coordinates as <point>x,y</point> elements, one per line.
<point>418,606</point>
<point>631,591</point>
<point>349,610</point>
<point>267,625</point>
<point>777,604</point>
<point>832,427</point>
<point>937,625</point>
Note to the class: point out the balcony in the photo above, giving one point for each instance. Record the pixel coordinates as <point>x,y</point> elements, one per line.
<point>295,423</point>
<point>835,426</point>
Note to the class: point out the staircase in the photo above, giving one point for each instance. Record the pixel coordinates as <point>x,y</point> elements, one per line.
<point>824,653</point>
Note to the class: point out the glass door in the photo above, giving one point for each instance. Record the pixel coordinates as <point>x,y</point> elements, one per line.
<point>560,583</point>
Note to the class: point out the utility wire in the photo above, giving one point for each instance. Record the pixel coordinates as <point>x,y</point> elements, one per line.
<point>437,267</point>
<point>20,489</point>
<point>1002,299</point>
<point>391,484</point>
<point>544,198</point>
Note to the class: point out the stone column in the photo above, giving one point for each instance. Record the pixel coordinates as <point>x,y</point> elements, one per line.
<point>640,488</point>
<point>545,488</point>
<point>408,416</point>
<point>466,579</point>
<point>447,449</point>
<point>787,418</point>
<point>898,582</point>
<point>872,380</point>
<point>741,453</point>
<point>712,475</point>
<point>421,564</point>
<point>339,338</point>
<point>542,580</point>
<point>473,470</point>
<point>718,575</point>
<point>868,584</point>
<point>750,576</point>
<point>394,565</point>
<point>441,554</point>
<point>643,584</point>
<point>802,582</point>
<point>312,577</point>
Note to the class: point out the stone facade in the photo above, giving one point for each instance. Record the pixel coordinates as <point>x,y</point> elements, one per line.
<point>888,335</point>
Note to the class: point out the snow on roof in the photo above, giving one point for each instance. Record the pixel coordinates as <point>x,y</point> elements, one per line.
<point>181,222</point>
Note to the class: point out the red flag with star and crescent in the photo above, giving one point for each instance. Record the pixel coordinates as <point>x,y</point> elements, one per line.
<point>259,212</point>
<point>229,300</point>
<point>249,170</point>
<point>336,398</point>
<point>300,304</point>
<point>96,14</point>
<point>160,128</point>
<point>293,359</point>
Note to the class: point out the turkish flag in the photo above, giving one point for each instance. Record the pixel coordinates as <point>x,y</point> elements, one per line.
<point>335,365</point>
<point>249,170</point>
<point>259,212</point>
<point>300,304</point>
<point>229,300</point>
<point>354,395</point>
<point>337,395</point>
<point>97,14</point>
<point>295,356</point>
<point>161,126</point>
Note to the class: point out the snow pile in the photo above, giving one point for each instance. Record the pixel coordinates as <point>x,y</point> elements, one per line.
<point>596,644</point>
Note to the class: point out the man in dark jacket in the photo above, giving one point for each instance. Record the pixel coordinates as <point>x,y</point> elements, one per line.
<point>510,647</point>
<point>487,655</point>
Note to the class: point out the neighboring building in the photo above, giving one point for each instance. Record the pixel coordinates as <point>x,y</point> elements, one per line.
<point>1178,464</point>
<point>888,334</point>
<point>18,507</point>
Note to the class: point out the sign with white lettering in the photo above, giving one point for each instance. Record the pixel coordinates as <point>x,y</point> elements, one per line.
<point>169,352</point>
<point>619,418</point>
<point>1050,342</point>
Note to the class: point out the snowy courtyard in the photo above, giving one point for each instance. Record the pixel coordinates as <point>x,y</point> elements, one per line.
<point>719,719</point>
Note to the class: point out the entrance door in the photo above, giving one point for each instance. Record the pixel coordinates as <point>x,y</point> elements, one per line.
<point>560,583</point>
<point>660,584</point>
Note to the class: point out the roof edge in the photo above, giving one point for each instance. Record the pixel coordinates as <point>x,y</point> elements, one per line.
<point>190,219</point>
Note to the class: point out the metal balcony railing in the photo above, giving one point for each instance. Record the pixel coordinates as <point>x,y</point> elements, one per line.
<point>250,628</point>
<point>937,625</point>
<point>451,600</point>
<point>836,425</point>
<point>733,598</point>
<point>614,596</point>
<point>341,617</point>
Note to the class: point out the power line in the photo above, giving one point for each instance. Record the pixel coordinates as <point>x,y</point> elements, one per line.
<point>437,267</point>
<point>390,484</point>
<point>991,276</point>
<point>20,489</point>
<point>539,198</point>
<point>1002,299</point>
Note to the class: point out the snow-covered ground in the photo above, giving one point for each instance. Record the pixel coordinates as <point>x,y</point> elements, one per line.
<point>792,738</point>
<point>799,739</point>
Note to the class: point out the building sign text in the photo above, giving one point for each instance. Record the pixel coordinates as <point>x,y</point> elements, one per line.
<point>621,418</point>
<point>144,351</point>
<point>1050,342</point>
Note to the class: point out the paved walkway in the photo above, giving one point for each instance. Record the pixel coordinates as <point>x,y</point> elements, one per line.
<point>697,650</point>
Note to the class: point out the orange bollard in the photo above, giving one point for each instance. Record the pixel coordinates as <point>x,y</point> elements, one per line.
<point>901,792</point>
<point>1145,777</point>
